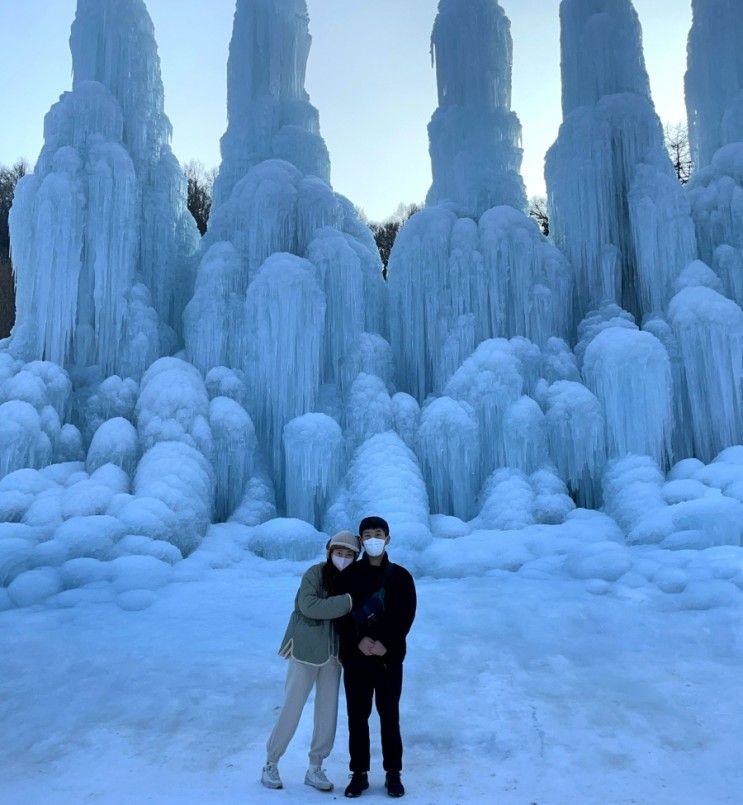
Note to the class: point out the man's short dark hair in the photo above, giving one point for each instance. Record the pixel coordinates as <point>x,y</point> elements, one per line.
<point>372,523</point>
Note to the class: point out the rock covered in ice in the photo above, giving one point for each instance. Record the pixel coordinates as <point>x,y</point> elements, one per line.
<point>714,78</point>
<point>315,456</point>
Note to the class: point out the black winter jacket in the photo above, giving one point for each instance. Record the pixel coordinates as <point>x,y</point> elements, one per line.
<point>391,627</point>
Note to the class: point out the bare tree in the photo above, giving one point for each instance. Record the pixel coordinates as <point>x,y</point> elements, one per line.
<point>9,177</point>
<point>200,185</point>
<point>385,232</point>
<point>539,212</point>
<point>677,144</point>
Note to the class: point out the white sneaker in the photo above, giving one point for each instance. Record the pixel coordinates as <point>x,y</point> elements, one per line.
<point>316,778</point>
<point>270,777</point>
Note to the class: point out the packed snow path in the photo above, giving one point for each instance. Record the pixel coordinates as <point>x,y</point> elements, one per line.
<point>518,690</point>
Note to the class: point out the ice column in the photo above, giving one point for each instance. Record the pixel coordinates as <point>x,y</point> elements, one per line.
<point>630,373</point>
<point>315,458</point>
<point>285,311</point>
<point>472,266</point>
<point>273,195</point>
<point>269,112</point>
<point>709,330</point>
<point>714,78</point>
<point>449,450</point>
<point>113,43</point>
<point>475,137</point>
<point>612,235</point>
<point>105,207</point>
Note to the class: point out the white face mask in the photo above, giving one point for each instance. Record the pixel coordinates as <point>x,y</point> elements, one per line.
<point>375,546</point>
<point>341,562</point>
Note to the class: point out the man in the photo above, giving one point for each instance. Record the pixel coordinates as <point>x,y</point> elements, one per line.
<point>372,650</point>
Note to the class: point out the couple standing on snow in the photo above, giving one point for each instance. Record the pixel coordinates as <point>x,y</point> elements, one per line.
<point>354,613</point>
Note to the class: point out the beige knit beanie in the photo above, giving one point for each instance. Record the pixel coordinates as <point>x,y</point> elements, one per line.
<point>344,539</point>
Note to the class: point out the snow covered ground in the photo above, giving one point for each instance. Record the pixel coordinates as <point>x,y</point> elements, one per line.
<point>521,687</point>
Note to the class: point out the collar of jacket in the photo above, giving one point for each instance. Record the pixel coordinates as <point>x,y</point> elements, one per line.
<point>385,561</point>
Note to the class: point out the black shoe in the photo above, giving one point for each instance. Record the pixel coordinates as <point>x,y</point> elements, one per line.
<point>394,785</point>
<point>359,783</point>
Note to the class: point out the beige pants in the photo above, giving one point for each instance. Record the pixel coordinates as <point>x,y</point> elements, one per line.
<point>300,679</point>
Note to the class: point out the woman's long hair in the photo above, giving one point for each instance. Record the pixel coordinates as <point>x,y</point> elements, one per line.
<point>330,575</point>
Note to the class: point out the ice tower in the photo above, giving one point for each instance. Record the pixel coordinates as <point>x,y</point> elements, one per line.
<point>290,279</point>
<point>714,79</point>
<point>471,265</point>
<point>269,112</point>
<point>714,99</point>
<point>475,137</point>
<point>616,208</point>
<point>100,231</point>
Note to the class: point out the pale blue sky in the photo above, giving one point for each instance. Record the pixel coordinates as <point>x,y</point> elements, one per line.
<point>369,74</point>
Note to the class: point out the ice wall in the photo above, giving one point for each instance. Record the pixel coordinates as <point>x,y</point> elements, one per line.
<point>475,137</point>
<point>472,266</point>
<point>615,208</point>
<point>714,79</point>
<point>105,208</point>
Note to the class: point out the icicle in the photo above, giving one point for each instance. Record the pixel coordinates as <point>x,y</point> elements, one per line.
<point>315,456</point>
<point>709,331</point>
<point>630,373</point>
<point>449,450</point>
<point>285,312</point>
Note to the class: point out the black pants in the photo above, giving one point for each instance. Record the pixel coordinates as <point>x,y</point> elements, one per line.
<point>364,680</point>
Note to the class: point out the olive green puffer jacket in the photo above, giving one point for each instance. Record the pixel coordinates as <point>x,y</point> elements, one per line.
<point>310,636</point>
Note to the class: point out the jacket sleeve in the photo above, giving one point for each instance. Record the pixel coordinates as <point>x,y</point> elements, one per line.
<point>312,605</point>
<point>400,614</point>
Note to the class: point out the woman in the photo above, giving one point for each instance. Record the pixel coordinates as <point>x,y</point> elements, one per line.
<point>311,646</point>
